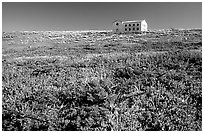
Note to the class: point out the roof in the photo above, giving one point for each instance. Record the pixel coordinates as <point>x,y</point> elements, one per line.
<point>133,21</point>
<point>117,21</point>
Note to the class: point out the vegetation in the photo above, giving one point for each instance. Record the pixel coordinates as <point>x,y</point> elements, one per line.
<point>153,86</point>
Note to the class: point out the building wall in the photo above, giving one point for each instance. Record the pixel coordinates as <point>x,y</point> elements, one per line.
<point>144,26</point>
<point>117,27</point>
<point>132,27</point>
<point>129,27</point>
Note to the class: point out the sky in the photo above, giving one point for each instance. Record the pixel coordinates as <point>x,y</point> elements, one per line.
<point>69,16</point>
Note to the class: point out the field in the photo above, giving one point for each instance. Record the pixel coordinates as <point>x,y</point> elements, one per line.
<point>99,81</point>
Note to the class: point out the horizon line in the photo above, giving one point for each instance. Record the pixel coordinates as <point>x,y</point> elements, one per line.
<point>92,30</point>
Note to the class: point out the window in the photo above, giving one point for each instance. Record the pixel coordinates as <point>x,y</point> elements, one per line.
<point>129,29</point>
<point>125,29</point>
<point>129,24</point>
<point>117,24</point>
<point>137,28</point>
<point>126,25</point>
<point>133,28</point>
<point>133,24</point>
<point>138,24</point>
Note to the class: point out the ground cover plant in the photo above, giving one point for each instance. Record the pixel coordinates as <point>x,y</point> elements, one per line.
<point>120,82</point>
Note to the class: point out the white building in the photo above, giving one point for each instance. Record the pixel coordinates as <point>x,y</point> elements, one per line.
<point>134,26</point>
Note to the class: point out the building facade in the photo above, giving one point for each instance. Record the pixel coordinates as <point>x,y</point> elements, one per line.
<point>135,26</point>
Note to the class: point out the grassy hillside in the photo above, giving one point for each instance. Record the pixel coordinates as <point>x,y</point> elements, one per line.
<point>66,81</point>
